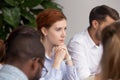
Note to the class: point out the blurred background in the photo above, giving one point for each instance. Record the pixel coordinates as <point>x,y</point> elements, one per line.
<point>77,12</point>
<point>18,12</point>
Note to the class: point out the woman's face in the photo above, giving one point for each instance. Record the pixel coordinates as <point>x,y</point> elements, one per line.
<point>56,34</point>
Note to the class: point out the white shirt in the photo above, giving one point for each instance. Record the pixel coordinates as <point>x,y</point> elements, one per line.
<point>85,53</point>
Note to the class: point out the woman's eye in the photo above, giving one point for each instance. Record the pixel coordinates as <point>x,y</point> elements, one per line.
<point>58,29</point>
<point>65,28</point>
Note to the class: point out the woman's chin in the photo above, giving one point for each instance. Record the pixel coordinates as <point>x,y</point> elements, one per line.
<point>59,44</point>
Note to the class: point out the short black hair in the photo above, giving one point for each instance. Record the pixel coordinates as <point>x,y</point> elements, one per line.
<point>24,43</point>
<point>99,13</point>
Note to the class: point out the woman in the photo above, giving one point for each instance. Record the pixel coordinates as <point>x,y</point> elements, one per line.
<point>110,62</point>
<point>52,25</point>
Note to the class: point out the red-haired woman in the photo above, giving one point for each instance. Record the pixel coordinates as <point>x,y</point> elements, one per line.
<point>52,26</point>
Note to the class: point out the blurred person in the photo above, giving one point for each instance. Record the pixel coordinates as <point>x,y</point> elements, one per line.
<point>110,62</point>
<point>24,57</point>
<point>85,48</point>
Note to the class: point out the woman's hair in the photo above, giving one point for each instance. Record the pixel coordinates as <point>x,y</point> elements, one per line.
<point>110,62</point>
<point>47,18</point>
<point>2,50</point>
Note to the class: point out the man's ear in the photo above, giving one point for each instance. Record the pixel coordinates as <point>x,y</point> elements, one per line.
<point>44,31</point>
<point>33,67</point>
<point>95,24</point>
<point>35,64</point>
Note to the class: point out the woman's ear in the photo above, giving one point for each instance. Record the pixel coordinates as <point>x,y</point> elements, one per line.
<point>95,24</point>
<point>44,31</point>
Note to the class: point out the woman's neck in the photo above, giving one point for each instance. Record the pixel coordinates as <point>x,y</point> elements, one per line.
<point>48,48</point>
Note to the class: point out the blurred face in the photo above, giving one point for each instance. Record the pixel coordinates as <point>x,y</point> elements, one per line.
<point>101,26</point>
<point>56,34</point>
<point>37,74</point>
<point>38,70</point>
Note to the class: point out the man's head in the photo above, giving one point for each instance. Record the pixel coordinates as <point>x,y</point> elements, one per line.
<point>25,51</point>
<point>100,17</point>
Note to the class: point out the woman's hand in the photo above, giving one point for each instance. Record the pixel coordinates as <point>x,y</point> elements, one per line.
<point>67,58</point>
<point>61,53</point>
<point>59,56</point>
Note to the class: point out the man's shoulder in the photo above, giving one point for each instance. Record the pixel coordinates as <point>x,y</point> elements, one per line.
<point>12,73</point>
<point>3,75</point>
<point>79,37</point>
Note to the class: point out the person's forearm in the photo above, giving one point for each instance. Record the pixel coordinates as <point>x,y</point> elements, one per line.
<point>56,64</point>
<point>98,77</point>
<point>54,74</point>
<point>94,77</point>
<point>69,63</point>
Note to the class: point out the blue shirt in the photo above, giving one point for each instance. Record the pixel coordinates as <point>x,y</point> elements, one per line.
<point>64,73</point>
<point>9,72</point>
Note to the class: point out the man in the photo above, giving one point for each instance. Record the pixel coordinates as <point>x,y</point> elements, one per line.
<point>85,47</point>
<point>24,55</point>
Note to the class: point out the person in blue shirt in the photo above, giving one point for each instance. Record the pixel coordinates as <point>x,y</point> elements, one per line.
<point>24,57</point>
<point>52,25</point>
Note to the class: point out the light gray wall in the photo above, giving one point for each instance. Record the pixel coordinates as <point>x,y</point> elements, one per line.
<point>77,13</point>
